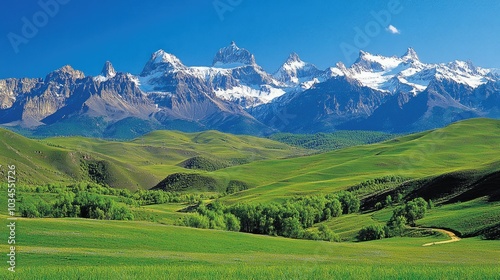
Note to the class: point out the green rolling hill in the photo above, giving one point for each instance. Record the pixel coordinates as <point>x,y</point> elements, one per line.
<point>137,164</point>
<point>270,169</point>
<point>457,167</point>
<point>471,146</point>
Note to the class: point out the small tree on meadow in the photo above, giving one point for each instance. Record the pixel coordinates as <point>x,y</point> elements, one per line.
<point>371,232</point>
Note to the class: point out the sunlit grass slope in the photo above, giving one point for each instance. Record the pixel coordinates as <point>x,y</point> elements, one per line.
<point>467,145</point>
<point>137,164</point>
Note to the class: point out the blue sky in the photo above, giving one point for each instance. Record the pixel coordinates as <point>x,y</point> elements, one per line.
<point>85,34</point>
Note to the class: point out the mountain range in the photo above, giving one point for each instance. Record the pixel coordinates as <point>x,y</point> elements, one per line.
<point>236,95</point>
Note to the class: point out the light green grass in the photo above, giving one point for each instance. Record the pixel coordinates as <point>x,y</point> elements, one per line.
<point>65,248</point>
<point>348,226</point>
<point>136,164</point>
<point>467,218</point>
<point>143,162</point>
<point>467,145</point>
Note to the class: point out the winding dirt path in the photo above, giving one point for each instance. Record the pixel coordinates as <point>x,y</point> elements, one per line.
<point>454,237</point>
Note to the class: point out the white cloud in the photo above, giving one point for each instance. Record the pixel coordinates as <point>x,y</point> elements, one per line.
<point>392,29</point>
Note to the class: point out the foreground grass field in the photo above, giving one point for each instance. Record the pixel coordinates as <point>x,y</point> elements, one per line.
<point>91,249</point>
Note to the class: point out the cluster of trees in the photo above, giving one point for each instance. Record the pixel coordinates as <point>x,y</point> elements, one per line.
<point>331,141</point>
<point>289,219</point>
<point>95,201</point>
<point>81,204</point>
<point>149,197</point>
<point>137,198</point>
<point>322,233</point>
<point>377,184</point>
<point>203,163</point>
<point>402,216</point>
<point>212,216</point>
<point>410,211</point>
<point>389,201</point>
<point>91,200</point>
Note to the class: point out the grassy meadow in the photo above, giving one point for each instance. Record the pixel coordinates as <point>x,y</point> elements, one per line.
<point>457,166</point>
<point>92,249</point>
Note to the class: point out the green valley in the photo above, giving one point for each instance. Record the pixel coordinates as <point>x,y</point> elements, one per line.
<point>228,185</point>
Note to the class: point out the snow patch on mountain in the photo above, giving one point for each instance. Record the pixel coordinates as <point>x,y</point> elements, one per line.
<point>250,96</point>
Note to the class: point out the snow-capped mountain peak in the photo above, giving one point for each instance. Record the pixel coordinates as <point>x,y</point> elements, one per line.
<point>370,62</point>
<point>232,56</point>
<point>410,55</point>
<point>295,71</point>
<point>293,57</point>
<point>294,62</point>
<point>161,56</point>
<point>162,61</point>
<point>108,70</point>
<point>393,73</point>
<point>466,67</point>
<point>463,72</point>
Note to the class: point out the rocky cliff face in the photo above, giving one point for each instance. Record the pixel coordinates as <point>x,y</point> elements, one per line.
<point>67,92</point>
<point>10,89</point>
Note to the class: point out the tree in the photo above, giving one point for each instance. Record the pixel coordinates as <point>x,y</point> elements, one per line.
<point>388,200</point>
<point>292,228</point>
<point>415,210</point>
<point>350,203</point>
<point>371,232</point>
<point>311,235</point>
<point>232,223</point>
<point>397,226</point>
<point>411,211</point>
<point>335,207</point>
<point>327,234</point>
<point>29,211</point>
<point>121,213</point>
<point>44,209</point>
<point>430,204</point>
<point>399,198</point>
<point>196,221</point>
<point>327,214</point>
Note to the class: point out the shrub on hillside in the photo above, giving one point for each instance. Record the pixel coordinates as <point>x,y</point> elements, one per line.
<point>327,234</point>
<point>371,232</point>
<point>196,220</point>
<point>492,233</point>
<point>411,211</point>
